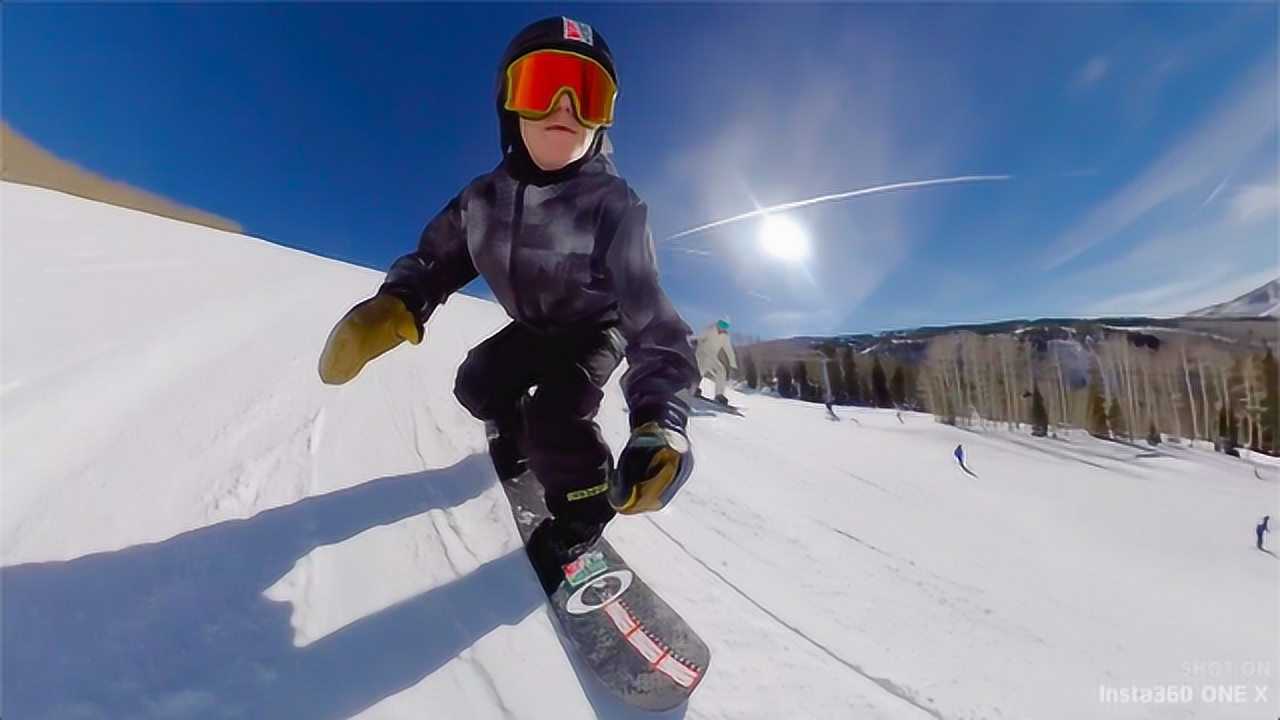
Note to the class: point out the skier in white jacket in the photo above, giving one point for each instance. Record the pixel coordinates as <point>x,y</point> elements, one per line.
<point>713,341</point>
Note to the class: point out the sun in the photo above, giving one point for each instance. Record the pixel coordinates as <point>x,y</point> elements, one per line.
<point>783,239</point>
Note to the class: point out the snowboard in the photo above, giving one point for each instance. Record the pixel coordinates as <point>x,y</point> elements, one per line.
<point>708,405</point>
<point>629,638</point>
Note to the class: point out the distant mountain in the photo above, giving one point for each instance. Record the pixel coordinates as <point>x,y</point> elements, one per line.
<point>1262,302</point>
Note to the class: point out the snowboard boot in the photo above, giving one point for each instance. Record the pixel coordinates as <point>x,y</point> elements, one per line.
<point>722,400</point>
<point>556,543</point>
<point>506,445</point>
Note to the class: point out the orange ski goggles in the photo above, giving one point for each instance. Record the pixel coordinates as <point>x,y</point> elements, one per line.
<point>536,81</point>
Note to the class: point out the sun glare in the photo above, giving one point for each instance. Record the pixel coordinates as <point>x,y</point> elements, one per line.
<point>784,239</point>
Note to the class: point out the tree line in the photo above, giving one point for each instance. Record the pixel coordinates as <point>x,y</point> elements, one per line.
<point>1124,385</point>
<point>834,373</point>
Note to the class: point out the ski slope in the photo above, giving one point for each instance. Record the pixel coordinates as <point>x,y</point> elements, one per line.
<point>193,526</point>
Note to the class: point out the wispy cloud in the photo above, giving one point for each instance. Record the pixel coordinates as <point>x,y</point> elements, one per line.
<point>1239,125</point>
<point>800,322</point>
<point>1172,271</point>
<point>689,251</point>
<point>1220,284</point>
<point>1255,201</point>
<point>1091,73</point>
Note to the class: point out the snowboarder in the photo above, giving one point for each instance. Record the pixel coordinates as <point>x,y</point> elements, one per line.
<point>1263,528</point>
<point>564,244</point>
<point>711,344</point>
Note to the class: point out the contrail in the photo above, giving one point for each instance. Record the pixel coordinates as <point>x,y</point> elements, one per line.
<point>840,196</point>
<point>1215,192</point>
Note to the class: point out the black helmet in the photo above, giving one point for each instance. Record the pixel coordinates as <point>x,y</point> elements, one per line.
<point>557,33</point>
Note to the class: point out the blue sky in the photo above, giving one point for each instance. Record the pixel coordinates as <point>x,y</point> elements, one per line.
<point>1141,140</point>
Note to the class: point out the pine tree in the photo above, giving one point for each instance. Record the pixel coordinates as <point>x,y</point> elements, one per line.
<point>1226,431</point>
<point>1115,420</point>
<point>785,386</point>
<point>751,371</point>
<point>1039,416</point>
<point>1153,435</point>
<point>1097,405</point>
<point>800,374</point>
<point>852,385</point>
<point>909,394</point>
<point>947,411</point>
<point>898,387</point>
<point>1270,420</point>
<point>880,386</point>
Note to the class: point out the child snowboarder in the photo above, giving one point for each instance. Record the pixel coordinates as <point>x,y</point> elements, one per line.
<point>714,341</point>
<point>564,244</point>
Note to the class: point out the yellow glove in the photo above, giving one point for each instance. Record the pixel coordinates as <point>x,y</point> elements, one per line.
<point>655,464</point>
<point>365,332</point>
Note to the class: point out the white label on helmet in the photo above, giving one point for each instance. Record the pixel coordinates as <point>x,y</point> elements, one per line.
<point>580,31</point>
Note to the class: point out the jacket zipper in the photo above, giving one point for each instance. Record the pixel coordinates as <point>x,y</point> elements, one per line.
<point>517,219</point>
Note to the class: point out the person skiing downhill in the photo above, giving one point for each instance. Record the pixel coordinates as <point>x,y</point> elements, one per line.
<point>714,341</point>
<point>1262,528</point>
<point>564,244</point>
<point>959,453</point>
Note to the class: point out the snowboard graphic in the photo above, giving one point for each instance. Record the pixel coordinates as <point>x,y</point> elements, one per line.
<point>632,641</point>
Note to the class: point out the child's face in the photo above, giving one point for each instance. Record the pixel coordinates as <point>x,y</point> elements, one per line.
<point>557,139</point>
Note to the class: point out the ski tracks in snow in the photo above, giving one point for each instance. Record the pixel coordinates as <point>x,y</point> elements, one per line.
<point>905,694</point>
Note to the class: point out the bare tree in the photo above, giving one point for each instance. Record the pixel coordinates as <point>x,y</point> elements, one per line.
<point>1191,396</point>
<point>1204,395</point>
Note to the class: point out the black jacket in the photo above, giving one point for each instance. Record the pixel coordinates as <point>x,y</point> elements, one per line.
<point>563,253</point>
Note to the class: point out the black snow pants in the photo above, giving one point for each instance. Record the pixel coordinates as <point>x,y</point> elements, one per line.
<point>557,423</point>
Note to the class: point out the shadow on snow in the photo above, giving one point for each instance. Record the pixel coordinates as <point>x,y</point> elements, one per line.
<point>180,628</point>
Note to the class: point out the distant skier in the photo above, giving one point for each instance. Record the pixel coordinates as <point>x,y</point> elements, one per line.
<point>1261,529</point>
<point>831,411</point>
<point>712,345</point>
<point>564,244</point>
<point>828,397</point>
<point>959,453</point>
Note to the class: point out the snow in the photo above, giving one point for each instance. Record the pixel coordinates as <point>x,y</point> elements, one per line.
<point>194,526</point>
<point>1261,302</point>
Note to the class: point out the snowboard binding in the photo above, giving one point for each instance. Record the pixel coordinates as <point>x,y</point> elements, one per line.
<point>557,544</point>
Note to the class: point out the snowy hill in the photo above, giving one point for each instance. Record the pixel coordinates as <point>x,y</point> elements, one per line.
<point>193,526</point>
<point>1262,302</point>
